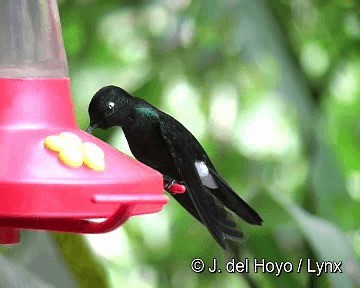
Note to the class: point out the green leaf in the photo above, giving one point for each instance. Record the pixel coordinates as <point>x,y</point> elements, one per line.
<point>86,268</point>
<point>14,275</point>
<point>267,248</point>
<point>328,243</point>
<point>332,200</point>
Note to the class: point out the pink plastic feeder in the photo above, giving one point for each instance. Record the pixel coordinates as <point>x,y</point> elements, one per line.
<point>38,191</point>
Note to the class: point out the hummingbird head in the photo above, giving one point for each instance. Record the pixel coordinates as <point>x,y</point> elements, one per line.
<point>110,106</point>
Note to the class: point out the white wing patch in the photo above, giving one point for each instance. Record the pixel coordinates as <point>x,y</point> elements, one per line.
<point>206,179</point>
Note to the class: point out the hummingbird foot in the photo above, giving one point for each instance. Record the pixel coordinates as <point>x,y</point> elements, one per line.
<point>171,186</point>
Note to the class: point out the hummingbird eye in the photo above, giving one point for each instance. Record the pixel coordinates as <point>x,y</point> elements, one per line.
<point>111,106</point>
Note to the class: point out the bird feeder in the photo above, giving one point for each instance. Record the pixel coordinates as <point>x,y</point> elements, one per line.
<point>37,190</point>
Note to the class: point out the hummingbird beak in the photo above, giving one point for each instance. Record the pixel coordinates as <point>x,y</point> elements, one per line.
<point>92,127</point>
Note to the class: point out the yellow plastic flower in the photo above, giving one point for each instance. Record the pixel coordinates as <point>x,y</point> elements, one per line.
<point>93,156</point>
<point>71,156</point>
<point>72,152</point>
<point>71,138</point>
<point>55,143</point>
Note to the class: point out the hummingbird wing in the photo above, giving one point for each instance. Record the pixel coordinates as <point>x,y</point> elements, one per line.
<point>211,212</point>
<point>232,201</point>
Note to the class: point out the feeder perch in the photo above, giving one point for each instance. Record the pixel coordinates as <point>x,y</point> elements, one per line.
<point>38,191</point>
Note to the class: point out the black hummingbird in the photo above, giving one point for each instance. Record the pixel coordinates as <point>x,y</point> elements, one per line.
<point>161,142</point>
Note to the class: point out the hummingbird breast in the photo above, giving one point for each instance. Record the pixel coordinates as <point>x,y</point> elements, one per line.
<point>148,146</point>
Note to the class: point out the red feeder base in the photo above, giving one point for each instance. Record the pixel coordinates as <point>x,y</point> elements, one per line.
<point>9,236</point>
<point>38,191</point>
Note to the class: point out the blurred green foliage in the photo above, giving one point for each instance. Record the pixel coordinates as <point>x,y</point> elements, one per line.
<point>271,89</point>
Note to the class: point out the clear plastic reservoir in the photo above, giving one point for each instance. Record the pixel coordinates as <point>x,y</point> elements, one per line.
<point>30,40</point>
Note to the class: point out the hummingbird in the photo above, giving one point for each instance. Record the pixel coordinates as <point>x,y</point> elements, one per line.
<point>163,143</point>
